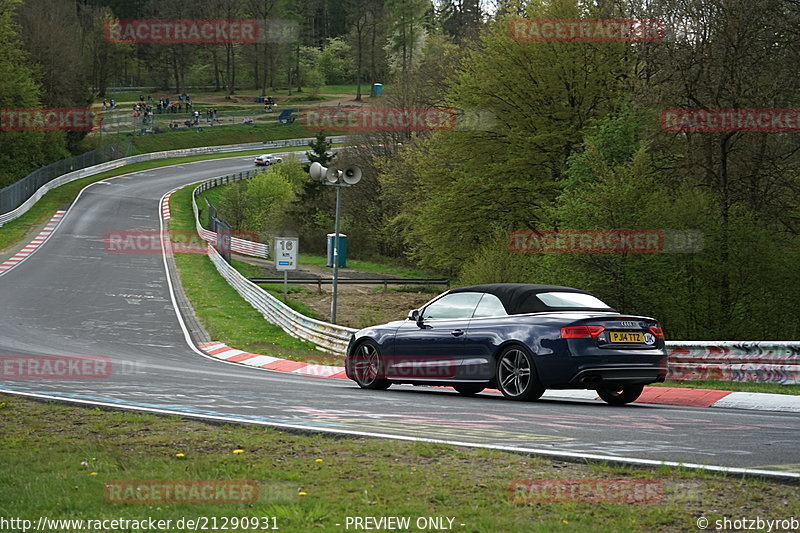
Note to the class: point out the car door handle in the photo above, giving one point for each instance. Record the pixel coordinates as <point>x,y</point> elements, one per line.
<point>456,332</point>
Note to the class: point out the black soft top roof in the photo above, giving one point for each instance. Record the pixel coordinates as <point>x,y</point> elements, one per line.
<point>520,298</point>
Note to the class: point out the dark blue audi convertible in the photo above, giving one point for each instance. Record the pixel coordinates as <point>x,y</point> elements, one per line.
<point>519,338</point>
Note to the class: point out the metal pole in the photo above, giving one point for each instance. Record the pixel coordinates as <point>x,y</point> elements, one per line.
<point>336,254</point>
<point>285,284</point>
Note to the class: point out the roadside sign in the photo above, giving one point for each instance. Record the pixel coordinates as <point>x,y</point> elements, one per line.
<point>285,254</point>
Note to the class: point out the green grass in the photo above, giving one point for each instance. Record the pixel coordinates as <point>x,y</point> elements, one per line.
<point>49,453</point>
<point>368,266</point>
<point>254,271</point>
<point>224,314</point>
<point>739,386</point>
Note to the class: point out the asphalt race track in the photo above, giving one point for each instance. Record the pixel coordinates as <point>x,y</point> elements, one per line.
<point>72,297</point>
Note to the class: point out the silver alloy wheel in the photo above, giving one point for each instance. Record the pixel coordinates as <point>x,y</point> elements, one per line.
<point>514,372</point>
<point>367,364</point>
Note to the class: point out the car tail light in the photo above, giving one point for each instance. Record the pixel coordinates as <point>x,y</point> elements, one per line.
<point>657,331</point>
<point>581,332</point>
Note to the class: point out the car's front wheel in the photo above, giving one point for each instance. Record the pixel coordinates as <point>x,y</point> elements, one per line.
<point>368,367</point>
<point>516,375</point>
<point>616,395</point>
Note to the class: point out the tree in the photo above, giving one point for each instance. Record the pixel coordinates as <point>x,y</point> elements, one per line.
<point>54,39</point>
<point>334,61</point>
<point>726,55</point>
<point>21,152</point>
<point>507,171</point>
<point>406,35</point>
<point>320,150</point>
<point>268,198</point>
<point>358,18</point>
<point>102,59</point>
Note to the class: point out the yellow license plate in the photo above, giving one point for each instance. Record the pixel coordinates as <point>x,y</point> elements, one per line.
<point>627,336</point>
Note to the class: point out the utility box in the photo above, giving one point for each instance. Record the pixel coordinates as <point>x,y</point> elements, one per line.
<point>342,249</point>
<point>377,89</point>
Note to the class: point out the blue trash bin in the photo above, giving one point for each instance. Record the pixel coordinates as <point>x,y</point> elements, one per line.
<point>377,89</point>
<point>342,249</point>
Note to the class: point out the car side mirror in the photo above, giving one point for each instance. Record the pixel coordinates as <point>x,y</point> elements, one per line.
<point>414,315</point>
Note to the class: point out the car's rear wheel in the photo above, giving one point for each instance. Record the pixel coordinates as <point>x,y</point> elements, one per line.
<point>468,389</point>
<point>620,395</point>
<point>516,375</point>
<point>368,367</point>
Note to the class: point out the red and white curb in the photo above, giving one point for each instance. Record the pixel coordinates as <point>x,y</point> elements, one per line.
<point>165,205</point>
<point>23,254</point>
<point>652,395</point>
<point>226,353</point>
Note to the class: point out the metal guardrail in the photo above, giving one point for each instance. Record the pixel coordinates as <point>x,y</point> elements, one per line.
<point>326,337</point>
<point>241,246</point>
<point>102,167</point>
<point>350,281</point>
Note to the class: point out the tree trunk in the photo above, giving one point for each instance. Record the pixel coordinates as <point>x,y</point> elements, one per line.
<point>359,63</point>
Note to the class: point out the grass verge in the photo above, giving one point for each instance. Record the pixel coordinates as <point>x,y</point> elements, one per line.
<point>368,266</point>
<point>253,271</point>
<point>310,482</point>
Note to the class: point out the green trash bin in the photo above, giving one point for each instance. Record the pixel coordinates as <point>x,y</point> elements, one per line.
<point>342,249</point>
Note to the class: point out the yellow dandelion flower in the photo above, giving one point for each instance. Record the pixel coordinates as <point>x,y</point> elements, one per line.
<point>238,451</point>
<point>565,522</point>
<point>180,455</point>
<point>317,460</point>
<point>93,474</point>
<point>301,493</point>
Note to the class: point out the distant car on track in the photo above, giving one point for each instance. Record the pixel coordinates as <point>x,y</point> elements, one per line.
<point>268,159</point>
<point>519,338</point>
